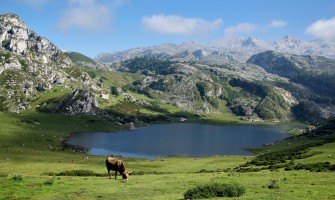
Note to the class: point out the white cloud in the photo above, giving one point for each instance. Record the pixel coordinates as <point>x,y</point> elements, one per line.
<point>35,4</point>
<point>85,14</point>
<point>175,24</point>
<point>322,29</point>
<point>240,29</point>
<point>277,23</point>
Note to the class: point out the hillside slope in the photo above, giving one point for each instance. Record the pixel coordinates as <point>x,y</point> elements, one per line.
<point>30,63</point>
<point>313,74</point>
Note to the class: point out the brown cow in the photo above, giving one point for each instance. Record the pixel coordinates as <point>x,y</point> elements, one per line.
<point>116,165</point>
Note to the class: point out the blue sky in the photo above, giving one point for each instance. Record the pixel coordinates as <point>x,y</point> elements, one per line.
<point>96,26</point>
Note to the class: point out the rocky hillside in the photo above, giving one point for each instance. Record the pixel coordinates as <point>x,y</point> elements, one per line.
<point>236,89</point>
<point>30,63</point>
<point>78,102</point>
<point>270,85</point>
<point>289,65</point>
<point>312,81</point>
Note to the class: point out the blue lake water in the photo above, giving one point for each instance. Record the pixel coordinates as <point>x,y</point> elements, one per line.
<point>180,139</point>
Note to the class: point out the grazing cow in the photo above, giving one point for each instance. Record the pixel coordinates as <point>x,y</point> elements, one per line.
<point>116,165</point>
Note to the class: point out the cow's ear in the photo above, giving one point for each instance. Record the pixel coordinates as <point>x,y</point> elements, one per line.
<point>130,172</point>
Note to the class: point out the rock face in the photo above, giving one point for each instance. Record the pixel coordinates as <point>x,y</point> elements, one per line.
<point>31,63</point>
<point>312,81</point>
<point>17,38</point>
<point>78,102</point>
<point>289,66</point>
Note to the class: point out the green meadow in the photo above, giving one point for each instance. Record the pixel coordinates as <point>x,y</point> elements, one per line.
<point>34,164</point>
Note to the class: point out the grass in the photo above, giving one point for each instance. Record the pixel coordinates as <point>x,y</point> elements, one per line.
<point>31,150</point>
<point>47,95</point>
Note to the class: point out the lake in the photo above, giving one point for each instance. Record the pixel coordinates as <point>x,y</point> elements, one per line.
<point>180,139</point>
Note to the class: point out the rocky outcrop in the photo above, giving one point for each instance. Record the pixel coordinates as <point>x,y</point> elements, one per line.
<point>78,102</point>
<point>30,63</point>
<point>17,38</point>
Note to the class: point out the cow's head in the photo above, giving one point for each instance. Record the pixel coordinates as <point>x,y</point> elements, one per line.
<point>125,175</point>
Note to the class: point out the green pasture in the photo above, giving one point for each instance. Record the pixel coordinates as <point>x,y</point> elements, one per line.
<point>30,147</point>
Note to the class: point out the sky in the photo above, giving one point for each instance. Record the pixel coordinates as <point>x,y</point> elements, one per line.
<point>104,26</point>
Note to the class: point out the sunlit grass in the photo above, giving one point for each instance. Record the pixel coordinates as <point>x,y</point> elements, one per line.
<point>31,147</point>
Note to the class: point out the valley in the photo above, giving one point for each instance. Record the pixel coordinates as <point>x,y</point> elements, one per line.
<point>46,95</point>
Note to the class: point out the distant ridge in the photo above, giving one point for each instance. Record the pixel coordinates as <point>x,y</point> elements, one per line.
<point>236,50</point>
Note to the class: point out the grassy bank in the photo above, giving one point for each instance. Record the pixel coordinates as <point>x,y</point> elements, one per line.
<point>31,148</point>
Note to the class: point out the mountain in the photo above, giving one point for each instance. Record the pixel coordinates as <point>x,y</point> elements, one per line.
<point>30,63</point>
<point>236,50</point>
<point>290,65</point>
<point>315,74</point>
<point>291,45</point>
<point>232,89</point>
<point>238,78</point>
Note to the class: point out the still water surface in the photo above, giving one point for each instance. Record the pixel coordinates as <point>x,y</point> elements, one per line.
<point>195,140</point>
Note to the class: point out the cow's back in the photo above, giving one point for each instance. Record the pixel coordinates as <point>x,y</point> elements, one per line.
<point>115,164</point>
<point>112,163</point>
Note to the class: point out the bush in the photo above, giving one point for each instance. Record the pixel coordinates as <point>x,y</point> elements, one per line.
<point>275,158</point>
<point>78,172</point>
<point>212,190</point>
<point>205,171</point>
<point>273,184</point>
<point>114,91</point>
<point>315,167</point>
<point>17,178</point>
<point>49,182</point>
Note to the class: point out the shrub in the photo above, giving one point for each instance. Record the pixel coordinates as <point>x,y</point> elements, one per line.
<point>78,172</point>
<point>49,182</point>
<point>205,171</point>
<point>114,91</point>
<point>17,178</point>
<point>247,169</point>
<point>279,157</point>
<point>273,184</point>
<point>212,190</point>
<point>315,167</point>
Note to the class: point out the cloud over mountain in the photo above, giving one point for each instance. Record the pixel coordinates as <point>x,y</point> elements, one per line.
<point>85,14</point>
<point>239,29</point>
<point>175,24</point>
<point>322,29</point>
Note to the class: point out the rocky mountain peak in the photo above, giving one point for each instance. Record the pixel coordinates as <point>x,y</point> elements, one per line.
<point>31,63</point>
<point>13,20</point>
<point>290,38</point>
<point>16,37</point>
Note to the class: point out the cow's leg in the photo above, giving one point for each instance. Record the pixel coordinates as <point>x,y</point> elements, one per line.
<point>109,173</point>
<point>115,174</point>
